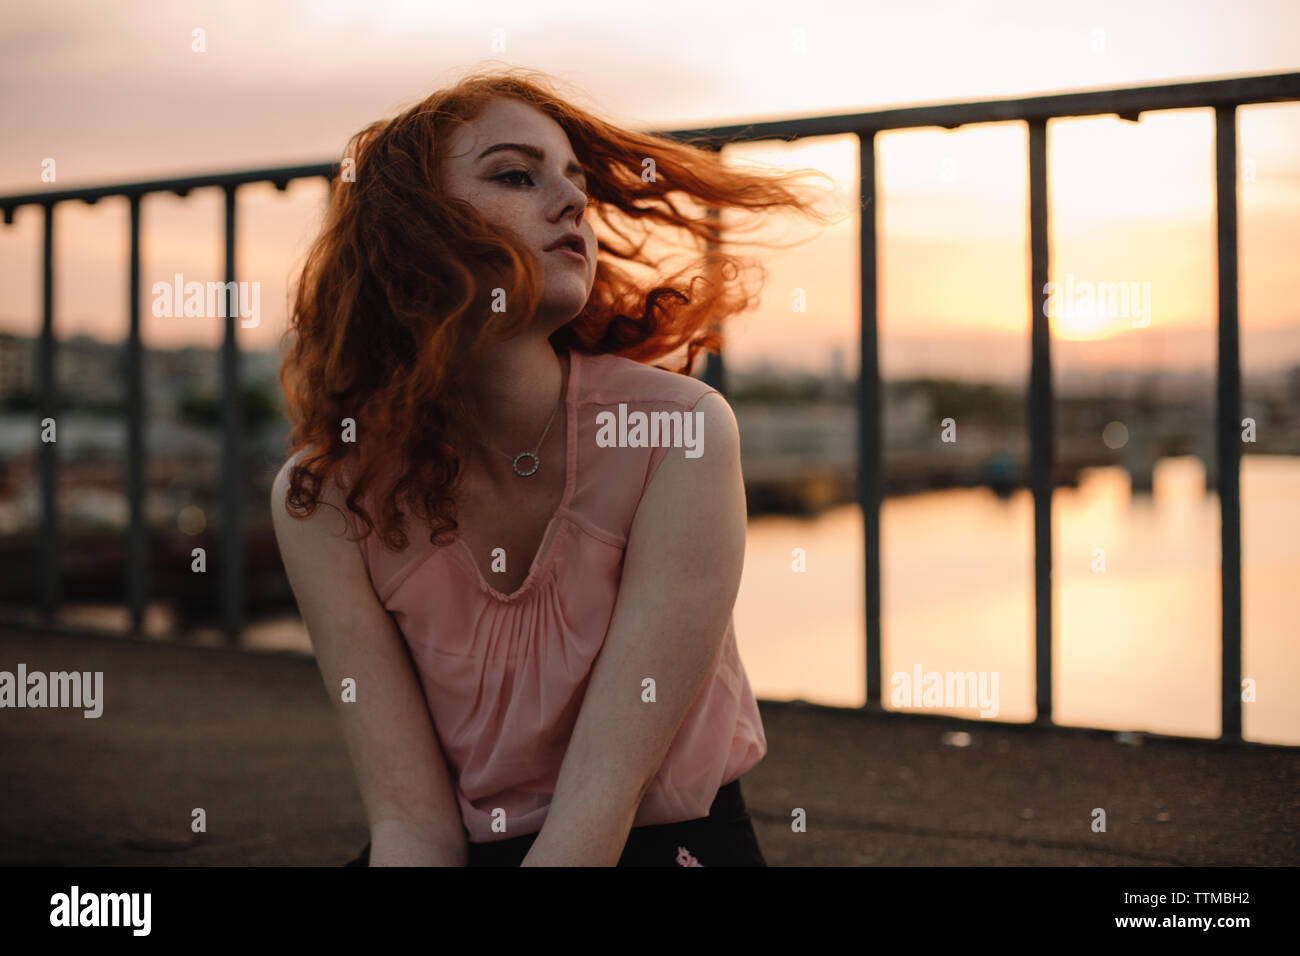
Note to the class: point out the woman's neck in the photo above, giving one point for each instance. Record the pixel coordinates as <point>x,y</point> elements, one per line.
<point>515,390</point>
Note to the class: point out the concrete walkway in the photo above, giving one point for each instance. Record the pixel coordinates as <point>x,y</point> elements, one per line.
<point>251,739</point>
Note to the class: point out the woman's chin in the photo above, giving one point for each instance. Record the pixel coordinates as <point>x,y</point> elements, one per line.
<point>559,311</point>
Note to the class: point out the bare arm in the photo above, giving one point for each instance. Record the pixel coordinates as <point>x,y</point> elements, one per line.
<point>405,784</point>
<point>681,574</point>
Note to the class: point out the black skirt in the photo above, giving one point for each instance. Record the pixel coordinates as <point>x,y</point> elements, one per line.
<point>724,838</point>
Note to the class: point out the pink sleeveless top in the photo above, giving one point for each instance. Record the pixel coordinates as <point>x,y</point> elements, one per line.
<point>504,675</point>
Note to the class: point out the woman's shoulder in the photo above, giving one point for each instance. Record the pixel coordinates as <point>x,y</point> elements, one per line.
<point>613,379</point>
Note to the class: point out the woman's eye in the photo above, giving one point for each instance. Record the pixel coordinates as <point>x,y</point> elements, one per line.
<point>514,172</point>
<point>529,181</point>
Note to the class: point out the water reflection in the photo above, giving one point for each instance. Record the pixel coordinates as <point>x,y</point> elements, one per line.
<point>1137,599</point>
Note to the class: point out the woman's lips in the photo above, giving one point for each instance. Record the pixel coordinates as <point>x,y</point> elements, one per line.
<point>565,250</point>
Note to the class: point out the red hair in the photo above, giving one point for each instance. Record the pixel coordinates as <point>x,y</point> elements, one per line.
<point>385,316</point>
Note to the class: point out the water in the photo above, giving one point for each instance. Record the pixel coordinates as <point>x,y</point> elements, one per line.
<point>1136,644</point>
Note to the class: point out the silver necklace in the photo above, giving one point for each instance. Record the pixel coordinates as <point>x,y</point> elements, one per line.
<point>537,462</point>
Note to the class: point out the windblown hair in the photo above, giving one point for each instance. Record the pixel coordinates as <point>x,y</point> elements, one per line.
<point>387,313</point>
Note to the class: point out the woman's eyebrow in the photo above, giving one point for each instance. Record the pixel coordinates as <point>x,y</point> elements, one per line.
<point>536,153</point>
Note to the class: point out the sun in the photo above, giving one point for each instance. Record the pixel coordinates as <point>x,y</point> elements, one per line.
<point>1081,325</point>
<point>1087,310</point>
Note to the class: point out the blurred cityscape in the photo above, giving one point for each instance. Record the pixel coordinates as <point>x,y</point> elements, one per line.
<point>799,430</point>
<point>799,448</point>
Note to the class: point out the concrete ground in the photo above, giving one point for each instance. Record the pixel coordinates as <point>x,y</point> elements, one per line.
<point>251,739</point>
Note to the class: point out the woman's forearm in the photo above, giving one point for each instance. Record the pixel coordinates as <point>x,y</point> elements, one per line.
<point>400,843</point>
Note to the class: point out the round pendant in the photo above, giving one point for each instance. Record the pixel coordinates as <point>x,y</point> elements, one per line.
<point>537,463</point>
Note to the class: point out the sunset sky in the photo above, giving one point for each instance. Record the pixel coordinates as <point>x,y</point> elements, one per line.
<point>114,92</point>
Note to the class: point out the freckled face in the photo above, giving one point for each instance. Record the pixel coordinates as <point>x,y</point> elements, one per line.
<point>539,197</point>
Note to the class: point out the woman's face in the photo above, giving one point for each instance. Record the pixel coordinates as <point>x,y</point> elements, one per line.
<point>515,165</point>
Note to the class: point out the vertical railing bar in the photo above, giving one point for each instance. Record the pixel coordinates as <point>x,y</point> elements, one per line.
<point>1228,401</point>
<point>231,479</point>
<point>47,399</point>
<point>1041,452</point>
<point>136,570</point>
<point>715,373</point>
<point>869,413</point>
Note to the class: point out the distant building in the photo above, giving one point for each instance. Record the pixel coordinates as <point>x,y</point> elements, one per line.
<point>88,370</point>
<point>17,357</point>
<point>91,372</point>
<point>836,382</point>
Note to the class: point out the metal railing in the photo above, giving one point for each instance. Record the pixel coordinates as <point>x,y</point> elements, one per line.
<point>1223,96</point>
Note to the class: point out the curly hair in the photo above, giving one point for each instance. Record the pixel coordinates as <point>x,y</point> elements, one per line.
<point>386,313</point>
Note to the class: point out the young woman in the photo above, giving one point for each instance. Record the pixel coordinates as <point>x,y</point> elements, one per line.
<point>529,637</point>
